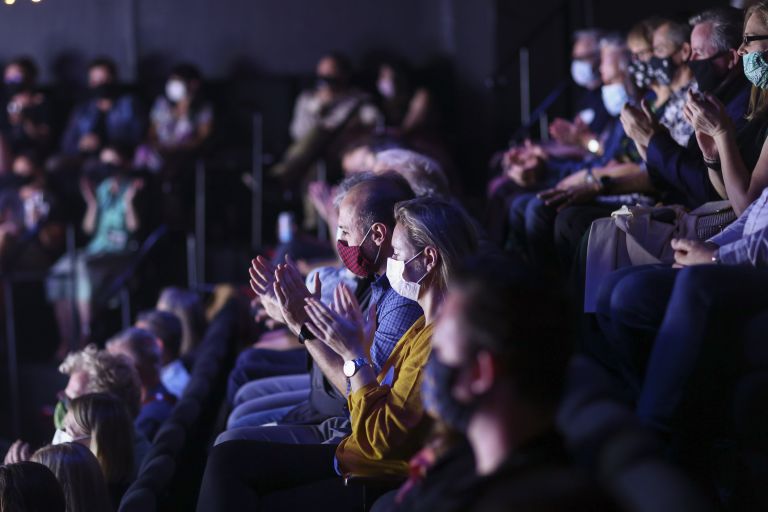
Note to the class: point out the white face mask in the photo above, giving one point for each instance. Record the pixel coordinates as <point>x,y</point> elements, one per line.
<point>407,289</point>
<point>614,98</point>
<point>176,90</point>
<point>386,88</point>
<point>583,73</point>
<point>61,436</point>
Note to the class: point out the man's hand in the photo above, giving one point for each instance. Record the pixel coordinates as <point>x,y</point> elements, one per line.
<point>707,114</point>
<point>262,280</point>
<point>18,452</point>
<point>291,293</point>
<point>89,142</point>
<point>640,125</point>
<point>562,199</point>
<point>573,180</point>
<point>341,328</point>
<point>693,252</point>
<point>566,132</point>
<point>524,164</point>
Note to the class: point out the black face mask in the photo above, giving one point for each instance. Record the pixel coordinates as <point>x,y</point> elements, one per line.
<point>14,88</point>
<point>706,74</point>
<point>104,92</point>
<point>437,395</point>
<point>663,70</point>
<point>641,73</point>
<point>329,81</point>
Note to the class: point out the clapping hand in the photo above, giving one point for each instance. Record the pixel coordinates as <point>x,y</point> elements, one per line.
<point>291,292</point>
<point>262,280</point>
<point>342,327</point>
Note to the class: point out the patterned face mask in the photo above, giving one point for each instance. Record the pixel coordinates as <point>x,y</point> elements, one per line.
<point>641,74</point>
<point>756,69</point>
<point>354,258</point>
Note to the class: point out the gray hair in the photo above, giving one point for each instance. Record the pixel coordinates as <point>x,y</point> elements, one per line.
<point>678,33</point>
<point>589,33</point>
<point>727,24</point>
<point>619,43</point>
<point>424,175</point>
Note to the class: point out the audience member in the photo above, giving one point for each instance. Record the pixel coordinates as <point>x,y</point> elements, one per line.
<point>145,352</point>
<point>167,329</point>
<point>430,239</point>
<point>79,474</point>
<point>30,487</point>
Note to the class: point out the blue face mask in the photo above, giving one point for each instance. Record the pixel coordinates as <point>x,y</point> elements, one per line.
<point>756,69</point>
<point>614,98</point>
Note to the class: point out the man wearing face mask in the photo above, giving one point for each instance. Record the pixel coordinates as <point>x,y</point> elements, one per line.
<point>678,171</point>
<point>364,250</point>
<point>591,116</point>
<point>108,117</point>
<point>26,125</point>
<point>325,119</point>
<point>495,375</point>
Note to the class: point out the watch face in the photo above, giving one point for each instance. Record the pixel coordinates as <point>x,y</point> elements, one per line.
<point>349,368</point>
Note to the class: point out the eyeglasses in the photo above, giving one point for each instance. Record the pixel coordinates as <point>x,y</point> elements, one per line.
<point>749,39</point>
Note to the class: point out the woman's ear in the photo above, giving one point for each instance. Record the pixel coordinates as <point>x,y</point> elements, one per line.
<point>432,257</point>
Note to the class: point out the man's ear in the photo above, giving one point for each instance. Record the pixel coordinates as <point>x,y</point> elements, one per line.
<point>733,58</point>
<point>484,373</point>
<point>379,232</point>
<point>432,258</point>
<point>685,51</point>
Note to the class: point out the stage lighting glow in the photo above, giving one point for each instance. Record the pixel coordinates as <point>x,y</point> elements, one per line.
<point>9,2</point>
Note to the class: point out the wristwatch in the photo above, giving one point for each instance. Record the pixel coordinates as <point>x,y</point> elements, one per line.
<point>353,366</point>
<point>305,334</point>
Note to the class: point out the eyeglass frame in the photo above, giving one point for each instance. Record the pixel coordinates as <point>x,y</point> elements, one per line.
<point>748,39</point>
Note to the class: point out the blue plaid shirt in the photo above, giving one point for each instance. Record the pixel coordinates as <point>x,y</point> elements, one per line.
<point>395,315</point>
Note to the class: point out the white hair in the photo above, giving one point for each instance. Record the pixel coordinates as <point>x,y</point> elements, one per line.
<point>424,175</point>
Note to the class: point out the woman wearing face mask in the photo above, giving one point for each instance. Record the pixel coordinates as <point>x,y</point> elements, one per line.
<point>388,422</point>
<point>732,177</point>
<point>180,121</point>
<point>406,109</point>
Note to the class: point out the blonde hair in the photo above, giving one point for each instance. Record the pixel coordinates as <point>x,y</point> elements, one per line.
<point>186,305</point>
<point>107,373</point>
<point>106,419</point>
<point>442,224</point>
<point>79,474</point>
<point>758,98</point>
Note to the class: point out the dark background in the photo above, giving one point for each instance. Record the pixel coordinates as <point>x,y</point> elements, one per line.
<point>459,45</point>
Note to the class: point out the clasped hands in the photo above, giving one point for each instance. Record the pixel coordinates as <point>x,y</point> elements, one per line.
<point>286,299</point>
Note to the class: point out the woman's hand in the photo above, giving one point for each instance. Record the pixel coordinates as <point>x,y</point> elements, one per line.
<point>693,252</point>
<point>18,452</point>
<point>341,328</point>
<point>706,114</point>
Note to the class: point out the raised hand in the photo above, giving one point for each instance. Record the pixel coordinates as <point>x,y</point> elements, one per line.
<point>344,331</point>
<point>18,452</point>
<point>262,274</point>
<point>291,292</point>
<point>706,114</point>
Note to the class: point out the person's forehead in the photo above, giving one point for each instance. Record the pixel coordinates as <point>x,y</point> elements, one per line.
<point>700,35</point>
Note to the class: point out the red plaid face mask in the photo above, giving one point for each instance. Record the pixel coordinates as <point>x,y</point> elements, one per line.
<point>354,259</point>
